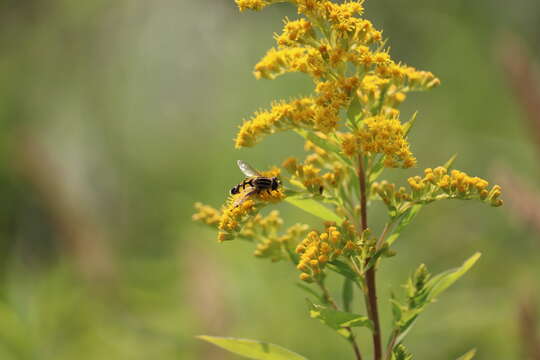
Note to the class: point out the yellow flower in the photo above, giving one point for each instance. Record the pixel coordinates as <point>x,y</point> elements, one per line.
<point>439,184</point>
<point>251,4</point>
<point>295,32</point>
<point>282,116</point>
<point>233,214</point>
<point>317,249</point>
<point>291,59</point>
<point>206,214</point>
<point>349,144</point>
<point>290,164</point>
<point>379,134</point>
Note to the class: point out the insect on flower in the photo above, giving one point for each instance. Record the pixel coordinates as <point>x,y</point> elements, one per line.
<point>256,182</point>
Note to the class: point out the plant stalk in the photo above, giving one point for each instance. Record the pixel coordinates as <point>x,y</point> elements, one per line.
<point>352,339</point>
<point>371,298</point>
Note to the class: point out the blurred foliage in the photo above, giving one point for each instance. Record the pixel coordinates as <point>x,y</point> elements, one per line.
<point>116,116</point>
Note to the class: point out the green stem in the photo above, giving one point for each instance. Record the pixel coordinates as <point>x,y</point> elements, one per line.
<point>352,338</point>
<point>391,345</point>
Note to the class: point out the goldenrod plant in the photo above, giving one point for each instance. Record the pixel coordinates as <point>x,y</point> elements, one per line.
<point>353,130</point>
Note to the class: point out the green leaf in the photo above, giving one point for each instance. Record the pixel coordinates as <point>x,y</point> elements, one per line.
<point>347,294</point>
<point>404,318</point>
<point>322,143</point>
<point>468,356</point>
<point>376,169</point>
<point>450,162</point>
<point>409,124</point>
<point>253,349</point>
<point>338,320</point>
<point>355,109</point>
<point>396,309</point>
<point>404,220</point>
<point>377,109</point>
<point>314,208</point>
<point>310,291</point>
<point>407,326</point>
<point>343,268</point>
<point>442,281</point>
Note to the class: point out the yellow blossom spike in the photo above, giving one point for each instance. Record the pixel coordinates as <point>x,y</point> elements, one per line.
<point>256,5</point>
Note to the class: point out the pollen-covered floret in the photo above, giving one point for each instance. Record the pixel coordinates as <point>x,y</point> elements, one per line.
<point>291,59</point>
<point>252,4</point>
<point>233,215</point>
<point>206,214</point>
<point>379,134</point>
<point>282,116</point>
<point>295,32</point>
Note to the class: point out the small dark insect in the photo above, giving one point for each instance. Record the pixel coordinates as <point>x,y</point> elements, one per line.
<point>256,182</point>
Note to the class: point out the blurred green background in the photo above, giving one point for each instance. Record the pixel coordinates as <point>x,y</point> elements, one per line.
<point>116,116</point>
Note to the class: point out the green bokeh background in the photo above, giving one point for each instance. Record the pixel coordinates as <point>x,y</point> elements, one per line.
<point>116,116</point>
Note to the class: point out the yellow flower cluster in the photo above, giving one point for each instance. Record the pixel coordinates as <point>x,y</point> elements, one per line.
<point>333,95</point>
<point>317,114</point>
<point>407,76</point>
<point>293,59</point>
<point>282,116</point>
<point>321,45</point>
<point>232,216</point>
<point>310,175</point>
<point>379,134</point>
<point>239,209</point>
<point>317,249</point>
<point>295,32</point>
<point>386,136</point>
<point>342,19</point>
<point>206,214</point>
<point>252,4</point>
<point>437,183</point>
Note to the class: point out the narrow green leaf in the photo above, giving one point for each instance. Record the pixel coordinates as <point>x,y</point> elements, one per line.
<point>450,162</point>
<point>253,349</point>
<point>310,291</point>
<point>347,294</point>
<point>469,355</point>
<point>314,208</point>
<point>355,109</point>
<point>323,144</point>
<point>409,124</point>
<point>382,96</point>
<point>441,282</point>
<point>343,268</point>
<point>396,310</point>
<point>406,327</point>
<point>338,319</point>
<point>376,169</point>
<point>404,220</point>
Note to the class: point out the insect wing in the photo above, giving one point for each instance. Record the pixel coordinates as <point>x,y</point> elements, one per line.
<point>247,169</point>
<point>244,197</point>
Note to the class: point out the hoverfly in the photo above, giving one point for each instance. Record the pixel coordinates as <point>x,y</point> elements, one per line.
<point>255,181</point>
